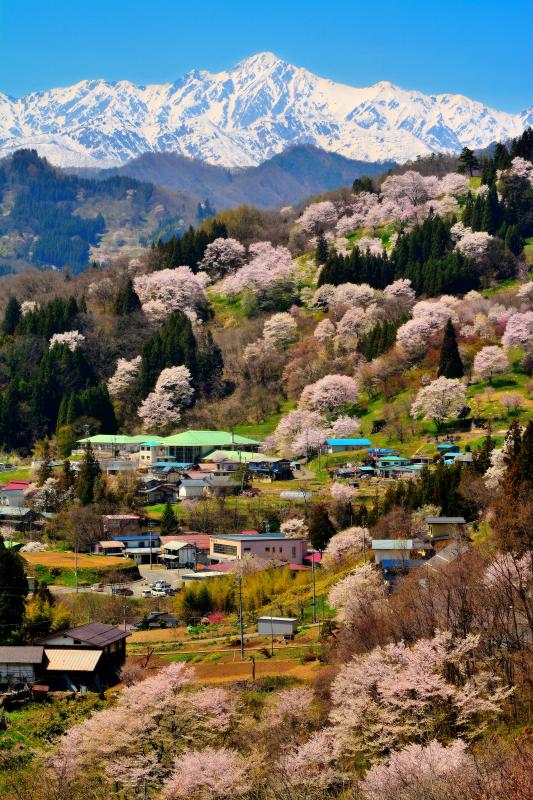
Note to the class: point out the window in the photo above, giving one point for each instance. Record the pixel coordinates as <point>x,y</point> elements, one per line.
<point>247,549</point>
<point>225,549</point>
<point>294,552</point>
<point>267,549</point>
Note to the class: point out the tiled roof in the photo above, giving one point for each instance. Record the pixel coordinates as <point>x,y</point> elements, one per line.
<point>94,633</point>
<point>21,655</point>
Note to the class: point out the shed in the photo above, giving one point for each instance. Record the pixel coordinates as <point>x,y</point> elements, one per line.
<point>175,554</point>
<point>20,664</point>
<point>336,445</point>
<point>442,529</point>
<point>395,549</point>
<point>277,626</point>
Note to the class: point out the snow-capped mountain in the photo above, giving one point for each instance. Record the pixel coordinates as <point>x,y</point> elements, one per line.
<point>242,116</point>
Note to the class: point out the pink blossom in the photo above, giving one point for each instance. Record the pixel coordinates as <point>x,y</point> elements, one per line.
<point>341,492</point>
<point>309,441</point>
<point>522,168</point>
<point>169,290</point>
<point>172,392</point>
<point>400,295</point>
<point>354,596</point>
<point>418,766</point>
<point>453,183</point>
<point>124,376</point>
<point>442,399</point>
<point>345,546</point>
<point>519,330</point>
<point>221,257</point>
<point>207,774</point>
<point>268,267</point>
<point>414,335</point>
<point>295,426</point>
<point>291,706</point>
<point>72,339</point>
<point>329,394</point>
<point>474,245</point>
<point>280,330</point>
<point>318,217</point>
<point>411,187</point>
<point>313,763</point>
<point>344,427</point>
<point>325,330</point>
<point>354,294</point>
<point>294,528</point>
<point>490,361</point>
<point>525,293</point>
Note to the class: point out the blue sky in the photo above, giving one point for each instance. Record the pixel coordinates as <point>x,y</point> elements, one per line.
<point>481,48</point>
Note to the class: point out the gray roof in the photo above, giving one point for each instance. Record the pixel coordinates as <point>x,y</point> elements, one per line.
<point>14,511</point>
<point>190,482</point>
<point>446,520</point>
<point>21,655</point>
<point>396,544</point>
<point>94,633</point>
<point>447,555</point>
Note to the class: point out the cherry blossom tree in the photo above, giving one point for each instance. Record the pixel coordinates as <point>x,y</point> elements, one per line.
<point>418,767</point>
<point>342,492</point>
<point>268,267</point>
<point>411,187</point>
<point>442,399</point>
<point>357,594</point>
<point>291,708</point>
<point>435,312</point>
<point>71,339</point>
<point>294,427</point>
<point>318,217</point>
<point>522,169</point>
<point>519,330</point>
<point>345,546</point>
<point>207,775</point>
<point>374,246</point>
<point>169,290</point>
<point>400,296</point>
<point>490,361</point>
<point>172,392</point>
<point>353,294</point>
<point>309,441</point>
<point>325,331</point>
<point>455,184</point>
<point>344,427</point>
<point>398,694</point>
<point>474,244</point>
<point>28,305</point>
<point>323,296</point>
<point>294,528</point>
<point>329,394</point>
<point>309,770</point>
<point>414,336</point>
<point>124,376</point>
<point>221,257</point>
<point>280,330</point>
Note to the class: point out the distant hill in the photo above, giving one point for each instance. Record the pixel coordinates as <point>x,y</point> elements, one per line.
<point>51,219</point>
<point>287,178</point>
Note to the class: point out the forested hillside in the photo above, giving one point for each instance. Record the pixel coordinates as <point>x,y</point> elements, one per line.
<point>53,220</point>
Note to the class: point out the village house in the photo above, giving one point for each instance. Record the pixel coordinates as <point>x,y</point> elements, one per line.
<point>177,554</point>
<point>20,665</point>
<point>398,553</point>
<point>109,547</point>
<point>189,447</point>
<point>117,524</point>
<point>273,546</point>
<point>143,548</point>
<point>338,445</point>
<point>442,530</point>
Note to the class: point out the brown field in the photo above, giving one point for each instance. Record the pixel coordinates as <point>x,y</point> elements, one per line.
<point>53,558</point>
<point>238,670</point>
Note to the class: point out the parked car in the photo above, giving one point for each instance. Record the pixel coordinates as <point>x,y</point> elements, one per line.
<point>122,591</point>
<point>97,587</point>
<point>146,593</point>
<point>159,593</point>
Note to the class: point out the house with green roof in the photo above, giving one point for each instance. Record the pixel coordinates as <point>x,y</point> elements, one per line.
<point>185,447</point>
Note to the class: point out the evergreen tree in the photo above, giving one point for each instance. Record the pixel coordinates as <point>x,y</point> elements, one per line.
<point>126,300</point>
<point>87,477</point>
<point>491,217</point>
<point>67,478</point>
<point>450,364</point>
<point>12,316</point>
<point>321,253</point>
<point>468,161</point>
<point>481,457</point>
<point>363,184</point>
<point>210,365</point>
<point>13,593</point>
<point>45,469</point>
<point>321,528</point>
<point>501,157</point>
<point>169,521</point>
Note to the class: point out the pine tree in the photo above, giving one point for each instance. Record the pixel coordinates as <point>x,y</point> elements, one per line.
<point>491,217</point>
<point>67,479</point>
<point>87,477</point>
<point>126,300</point>
<point>12,316</point>
<point>169,521</point>
<point>450,364</point>
<point>468,161</point>
<point>13,593</point>
<point>321,253</point>
<point>321,528</point>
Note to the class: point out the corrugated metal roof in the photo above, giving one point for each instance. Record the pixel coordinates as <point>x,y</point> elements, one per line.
<point>445,520</point>
<point>396,544</point>
<point>21,655</point>
<point>217,439</point>
<point>72,660</point>
<point>341,442</point>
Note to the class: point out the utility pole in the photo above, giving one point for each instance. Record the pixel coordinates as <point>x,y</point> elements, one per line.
<point>241,625</point>
<point>271,632</point>
<point>314,585</point>
<point>76,562</point>
<point>124,607</point>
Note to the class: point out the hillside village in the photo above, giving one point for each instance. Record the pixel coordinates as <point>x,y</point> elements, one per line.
<point>275,476</point>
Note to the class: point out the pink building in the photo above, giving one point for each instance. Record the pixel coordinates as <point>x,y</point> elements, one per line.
<point>267,545</point>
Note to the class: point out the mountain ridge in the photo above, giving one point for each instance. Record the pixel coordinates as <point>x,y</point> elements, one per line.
<point>243,116</point>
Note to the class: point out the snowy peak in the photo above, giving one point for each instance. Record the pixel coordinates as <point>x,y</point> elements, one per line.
<point>243,116</point>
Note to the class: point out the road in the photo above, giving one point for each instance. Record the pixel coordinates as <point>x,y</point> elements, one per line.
<point>172,576</point>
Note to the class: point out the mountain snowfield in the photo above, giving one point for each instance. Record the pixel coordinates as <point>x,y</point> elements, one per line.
<point>243,116</point>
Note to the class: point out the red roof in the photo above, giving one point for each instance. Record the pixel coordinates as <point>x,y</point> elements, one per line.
<point>249,533</point>
<point>316,557</point>
<point>16,486</point>
<point>225,566</point>
<point>200,540</point>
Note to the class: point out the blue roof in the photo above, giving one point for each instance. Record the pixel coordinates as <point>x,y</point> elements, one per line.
<point>134,538</point>
<point>366,469</point>
<point>447,446</point>
<point>182,464</point>
<point>384,451</point>
<point>341,442</point>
